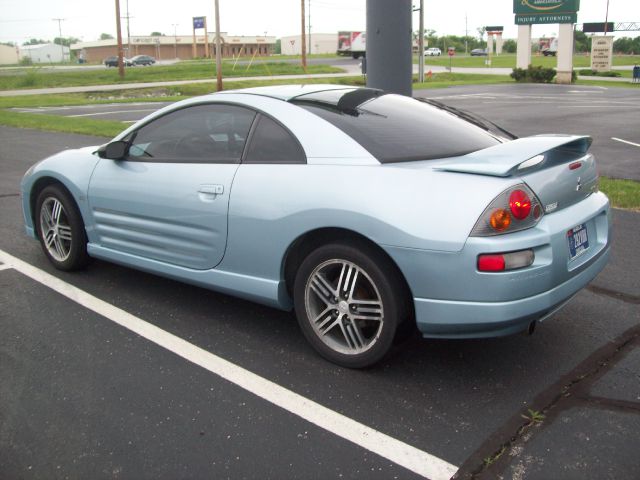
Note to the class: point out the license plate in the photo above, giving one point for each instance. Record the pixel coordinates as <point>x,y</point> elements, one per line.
<point>578,240</point>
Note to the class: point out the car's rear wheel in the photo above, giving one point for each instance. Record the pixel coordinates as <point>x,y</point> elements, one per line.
<point>349,303</point>
<point>60,229</point>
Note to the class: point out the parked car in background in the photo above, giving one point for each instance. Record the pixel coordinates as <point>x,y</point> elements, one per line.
<point>432,52</point>
<point>113,61</point>
<point>478,52</point>
<point>143,60</point>
<point>371,214</point>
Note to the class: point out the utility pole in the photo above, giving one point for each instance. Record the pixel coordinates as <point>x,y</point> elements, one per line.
<point>128,33</point>
<point>60,20</point>
<point>218,52</point>
<point>303,48</point>
<point>175,38</point>
<point>606,18</point>
<point>309,27</point>
<point>119,37</point>
<point>466,34</point>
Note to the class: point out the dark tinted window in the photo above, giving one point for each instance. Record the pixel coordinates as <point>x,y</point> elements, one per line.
<point>394,128</point>
<point>272,143</point>
<point>199,134</point>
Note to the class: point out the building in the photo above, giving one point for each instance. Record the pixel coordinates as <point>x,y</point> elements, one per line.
<point>320,43</point>
<point>9,55</point>
<point>177,46</point>
<point>45,53</point>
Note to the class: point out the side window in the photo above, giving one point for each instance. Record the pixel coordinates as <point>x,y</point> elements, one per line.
<point>210,133</point>
<point>272,143</point>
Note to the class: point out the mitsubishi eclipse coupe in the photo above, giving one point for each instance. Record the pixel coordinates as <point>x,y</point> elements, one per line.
<point>368,213</point>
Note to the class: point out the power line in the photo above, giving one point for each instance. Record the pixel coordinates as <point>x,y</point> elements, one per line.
<point>60,20</point>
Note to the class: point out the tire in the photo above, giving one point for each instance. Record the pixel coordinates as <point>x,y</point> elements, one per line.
<point>349,301</point>
<point>60,229</point>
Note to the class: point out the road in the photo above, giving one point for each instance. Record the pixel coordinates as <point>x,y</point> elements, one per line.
<point>610,115</point>
<point>83,396</point>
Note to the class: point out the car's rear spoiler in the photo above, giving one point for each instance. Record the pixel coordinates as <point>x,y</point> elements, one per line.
<point>520,155</point>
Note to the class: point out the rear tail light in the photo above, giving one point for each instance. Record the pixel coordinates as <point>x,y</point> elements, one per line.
<point>502,262</point>
<point>515,209</point>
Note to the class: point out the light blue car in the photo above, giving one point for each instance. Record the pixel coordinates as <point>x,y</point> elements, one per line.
<point>369,213</point>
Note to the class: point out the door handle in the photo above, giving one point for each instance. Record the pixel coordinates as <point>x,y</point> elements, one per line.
<point>214,189</point>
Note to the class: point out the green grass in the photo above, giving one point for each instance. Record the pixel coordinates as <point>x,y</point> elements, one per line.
<point>35,78</point>
<point>442,80</point>
<point>508,60</point>
<point>55,123</point>
<point>622,193</point>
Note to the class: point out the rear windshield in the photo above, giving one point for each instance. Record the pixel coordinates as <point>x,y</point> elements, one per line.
<point>395,128</point>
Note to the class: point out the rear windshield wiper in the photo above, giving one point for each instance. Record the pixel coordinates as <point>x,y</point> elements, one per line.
<point>470,117</point>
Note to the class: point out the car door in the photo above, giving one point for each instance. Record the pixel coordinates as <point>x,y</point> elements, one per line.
<point>168,199</point>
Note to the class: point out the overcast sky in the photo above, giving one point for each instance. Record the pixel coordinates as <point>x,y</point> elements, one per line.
<point>87,19</point>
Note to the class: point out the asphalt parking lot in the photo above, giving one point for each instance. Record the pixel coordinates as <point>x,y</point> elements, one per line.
<point>90,392</point>
<point>609,115</point>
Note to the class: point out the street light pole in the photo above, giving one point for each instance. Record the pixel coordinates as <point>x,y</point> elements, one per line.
<point>218,52</point>
<point>60,20</point>
<point>175,38</point>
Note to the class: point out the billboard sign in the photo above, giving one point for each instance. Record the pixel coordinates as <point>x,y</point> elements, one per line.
<point>532,7</point>
<point>546,18</point>
<point>601,53</point>
<point>596,27</point>
<point>198,22</point>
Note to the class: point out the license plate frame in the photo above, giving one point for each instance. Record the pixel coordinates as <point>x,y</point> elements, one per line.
<point>578,240</point>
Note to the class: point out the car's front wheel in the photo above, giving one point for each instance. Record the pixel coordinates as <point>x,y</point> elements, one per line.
<point>60,229</point>
<point>349,302</point>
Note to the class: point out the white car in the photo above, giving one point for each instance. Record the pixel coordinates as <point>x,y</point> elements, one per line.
<point>432,52</point>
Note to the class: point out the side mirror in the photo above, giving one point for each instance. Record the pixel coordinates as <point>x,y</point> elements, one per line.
<point>114,150</point>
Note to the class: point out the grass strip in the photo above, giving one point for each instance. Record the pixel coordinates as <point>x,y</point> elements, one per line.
<point>622,193</point>
<point>46,78</point>
<point>56,123</point>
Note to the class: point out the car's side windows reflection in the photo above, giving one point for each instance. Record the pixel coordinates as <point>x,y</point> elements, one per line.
<point>213,133</point>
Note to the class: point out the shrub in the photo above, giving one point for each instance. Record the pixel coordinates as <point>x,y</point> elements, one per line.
<point>593,73</point>
<point>533,74</point>
<point>26,61</point>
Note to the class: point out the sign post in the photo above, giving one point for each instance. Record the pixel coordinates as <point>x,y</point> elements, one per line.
<point>198,22</point>
<point>601,53</point>
<point>451,51</point>
<point>564,12</point>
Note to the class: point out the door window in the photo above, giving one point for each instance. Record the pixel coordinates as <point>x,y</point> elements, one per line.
<point>212,133</point>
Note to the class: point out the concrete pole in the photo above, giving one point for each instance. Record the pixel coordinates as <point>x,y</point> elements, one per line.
<point>524,46</point>
<point>565,53</point>
<point>489,43</point>
<point>421,44</point>
<point>499,44</point>
<point>389,59</point>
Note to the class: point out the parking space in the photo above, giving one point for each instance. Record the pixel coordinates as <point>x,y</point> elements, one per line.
<point>96,398</point>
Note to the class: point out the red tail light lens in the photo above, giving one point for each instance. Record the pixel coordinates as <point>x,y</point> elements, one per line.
<point>520,204</point>
<point>491,263</point>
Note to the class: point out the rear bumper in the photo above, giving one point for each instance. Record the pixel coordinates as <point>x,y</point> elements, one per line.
<point>452,299</point>
<point>455,319</point>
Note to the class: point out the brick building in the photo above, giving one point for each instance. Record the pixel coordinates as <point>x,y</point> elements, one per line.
<point>179,46</point>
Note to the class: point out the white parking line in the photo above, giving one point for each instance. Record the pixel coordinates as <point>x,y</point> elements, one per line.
<point>5,267</point>
<point>625,141</point>
<point>411,458</point>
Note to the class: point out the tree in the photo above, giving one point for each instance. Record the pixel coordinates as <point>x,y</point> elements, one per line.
<point>157,34</point>
<point>581,42</point>
<point>481,31</point>
<point>66,41</point>
<point>509,45</point>
<point>8,44</point>
<point>106,36</point>
<point>34,41</point>
<point>278,47</point>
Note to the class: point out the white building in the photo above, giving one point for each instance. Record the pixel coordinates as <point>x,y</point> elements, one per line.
<point>45,53</point>
<point>8,55</point>
<point>320,43</point>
